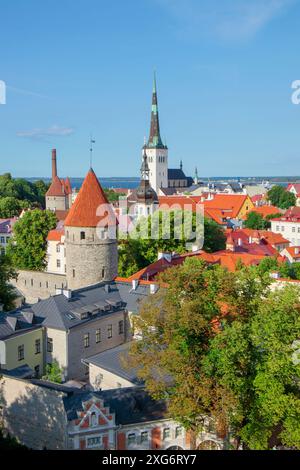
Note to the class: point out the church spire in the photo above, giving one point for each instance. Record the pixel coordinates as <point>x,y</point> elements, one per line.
<point>154,138</point>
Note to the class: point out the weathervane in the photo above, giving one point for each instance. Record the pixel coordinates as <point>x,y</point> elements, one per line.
<point>92,141</point>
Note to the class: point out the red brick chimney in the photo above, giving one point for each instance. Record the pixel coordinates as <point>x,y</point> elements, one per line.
<point>54,165</point>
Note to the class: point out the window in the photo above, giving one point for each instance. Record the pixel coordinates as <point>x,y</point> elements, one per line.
<point>98,335</point>
<point>57,249</point>
<point>31,281</point>
<point>21,352</point>
<point>144,436</point>
<point>67,233</point>
<point>49,345</point>
<point>103,272</point>
<point>178,431</point>
<point>2,240</point>
<point>86,340</point>
<point>166,433</point>
<point>82,235</point>
<point>94,441</point>
<point>131,438</point>
<point>58,263</point>
<point>293,229</point>
<point>37,346</point>
<point>47,284</point>
<point>298,229</point>
<point>94,419</point>
<point>73,272</point>
<point>109,331</point>
<point>282,228</point>
<point>121,327</point>
<point>277,228</point>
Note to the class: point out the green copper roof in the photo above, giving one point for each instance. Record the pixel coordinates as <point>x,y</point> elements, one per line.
<point>154,138</point>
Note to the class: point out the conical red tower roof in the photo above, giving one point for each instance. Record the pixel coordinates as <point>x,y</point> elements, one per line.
<point>91,196</point>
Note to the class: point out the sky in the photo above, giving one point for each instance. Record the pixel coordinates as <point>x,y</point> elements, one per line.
<point>224,75</point>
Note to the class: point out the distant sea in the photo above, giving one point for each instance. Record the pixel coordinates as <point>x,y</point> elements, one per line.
<point>132,182</point>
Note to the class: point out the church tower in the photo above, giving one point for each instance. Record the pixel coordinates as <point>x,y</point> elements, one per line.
<point>156,151</point>
<point>91,256</point>
<point>147,200</point>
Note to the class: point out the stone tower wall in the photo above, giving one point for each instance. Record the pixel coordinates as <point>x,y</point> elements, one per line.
<point>90,260</point>
<point>56,203</point>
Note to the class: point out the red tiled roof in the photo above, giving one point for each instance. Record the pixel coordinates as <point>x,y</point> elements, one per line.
<point>232,202</point>
<point>90,198</point>
<point>266,210</point>
<point>55,235</point>
<point>61,215</point>
<point>56,188</point>
<point>294,251</point>
<point>67,186</point>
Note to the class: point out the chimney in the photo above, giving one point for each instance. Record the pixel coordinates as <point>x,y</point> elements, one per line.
<point>54,165</point>
<point>153,288</point>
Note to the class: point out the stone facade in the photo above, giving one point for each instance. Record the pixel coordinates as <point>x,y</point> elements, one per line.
<point>34,415</point>
<point>89,258</point>
<point>57,203</point>
<point>36,285</point>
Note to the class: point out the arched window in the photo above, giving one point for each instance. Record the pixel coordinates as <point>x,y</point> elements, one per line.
<point>94,419</point>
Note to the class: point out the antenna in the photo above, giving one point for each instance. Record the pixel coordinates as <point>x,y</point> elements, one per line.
<point>92,141</point>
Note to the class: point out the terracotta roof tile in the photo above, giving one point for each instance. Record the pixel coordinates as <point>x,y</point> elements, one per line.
<point>90,198</point>
<point>56,188</point>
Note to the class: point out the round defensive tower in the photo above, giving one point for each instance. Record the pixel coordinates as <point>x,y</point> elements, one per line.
<point>91,256</point>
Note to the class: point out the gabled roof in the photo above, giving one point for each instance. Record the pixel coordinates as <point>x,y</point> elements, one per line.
<point>176,174</point>
<point>232,202</point>
<point>90,198</point>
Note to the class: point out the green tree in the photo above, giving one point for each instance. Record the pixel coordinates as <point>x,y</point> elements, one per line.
<point>252,358</point>
<point>256,221</point>
<point>279,197</point>
<point>9,207</point>
<point>176,326</point>
<point>53,373</point>
<point>112,196</point>
<point>27,247</point>
<point>7,291</point>
<point>28,194</point>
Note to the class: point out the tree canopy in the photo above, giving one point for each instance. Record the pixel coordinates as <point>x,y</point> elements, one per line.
<point>28,246</point>
<point>7,292</point>
<point>279,197</point>
<point>17,194</point>
<point>211,347</point>
<point>256,221</point>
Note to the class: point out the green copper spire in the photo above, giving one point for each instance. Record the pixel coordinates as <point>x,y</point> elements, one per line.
<point>154,138</point>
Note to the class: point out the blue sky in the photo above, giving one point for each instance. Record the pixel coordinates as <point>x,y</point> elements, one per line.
<point>224,72</point>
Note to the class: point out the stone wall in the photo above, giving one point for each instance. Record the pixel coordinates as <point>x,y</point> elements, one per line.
<point>90,260</point>
<point>58,203</point>
<point>36,285</point>
<point>34,415</point>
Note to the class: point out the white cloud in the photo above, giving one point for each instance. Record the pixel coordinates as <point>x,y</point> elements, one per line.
<point>38,133</point>
<point>224,19</point>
